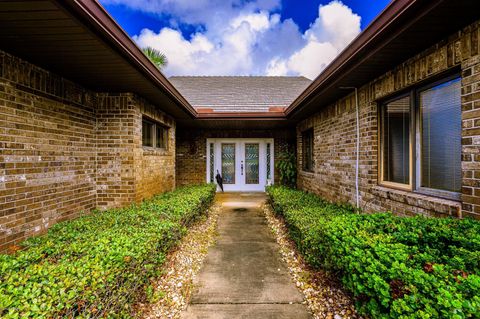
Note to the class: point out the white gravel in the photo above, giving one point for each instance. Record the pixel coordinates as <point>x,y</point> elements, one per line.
<point>323,293</point>
<point>173,290</point>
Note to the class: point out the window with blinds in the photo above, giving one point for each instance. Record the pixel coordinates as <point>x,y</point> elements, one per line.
<point>431,124</point>
<point>396,141</point>
<point>441,131</point>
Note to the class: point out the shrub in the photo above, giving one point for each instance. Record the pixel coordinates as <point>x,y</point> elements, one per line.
<point>97,265</point>
<point>395,267</point>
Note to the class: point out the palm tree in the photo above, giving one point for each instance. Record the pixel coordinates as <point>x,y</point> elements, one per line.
<point>157,57</point>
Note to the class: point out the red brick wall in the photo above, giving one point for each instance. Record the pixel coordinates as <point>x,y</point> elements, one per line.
<point>65,150</point>
<point>334,135</point>
<point>191,150</point>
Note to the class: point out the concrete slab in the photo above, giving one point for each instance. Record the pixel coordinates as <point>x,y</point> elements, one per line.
<point>246,311</point>
<point>243,275</point>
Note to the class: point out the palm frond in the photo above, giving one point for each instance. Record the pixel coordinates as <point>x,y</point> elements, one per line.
<point>157,57</point>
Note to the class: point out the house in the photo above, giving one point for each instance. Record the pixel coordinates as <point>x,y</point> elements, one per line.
<point>240,129</point>
<point>87,121</point>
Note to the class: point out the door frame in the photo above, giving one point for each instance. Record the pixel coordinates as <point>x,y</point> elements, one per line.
<point>240,185</point>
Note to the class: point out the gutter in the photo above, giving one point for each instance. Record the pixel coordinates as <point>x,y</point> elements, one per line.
<point>241,115</point>
<point>98,18</point>
<point>388,16</point>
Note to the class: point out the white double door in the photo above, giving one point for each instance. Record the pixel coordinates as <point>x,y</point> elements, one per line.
<point>244,164</point>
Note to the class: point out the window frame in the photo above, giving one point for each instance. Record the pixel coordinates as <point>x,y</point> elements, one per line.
<point>415,139</point>
<point>418,136</point>
<point>304,155</point>
<point>382,181</point>
<point>155,125</point>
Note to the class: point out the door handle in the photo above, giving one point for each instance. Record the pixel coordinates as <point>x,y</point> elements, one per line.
<point>241,168</point>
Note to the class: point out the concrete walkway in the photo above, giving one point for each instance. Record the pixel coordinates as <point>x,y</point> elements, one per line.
<point>243,275</point>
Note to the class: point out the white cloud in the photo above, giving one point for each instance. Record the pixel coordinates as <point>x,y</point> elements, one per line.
<point>247,38</point>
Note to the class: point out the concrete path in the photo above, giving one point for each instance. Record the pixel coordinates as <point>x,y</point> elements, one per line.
<point>243,275</point>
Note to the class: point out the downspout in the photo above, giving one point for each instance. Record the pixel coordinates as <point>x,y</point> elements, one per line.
<point>357,160</point>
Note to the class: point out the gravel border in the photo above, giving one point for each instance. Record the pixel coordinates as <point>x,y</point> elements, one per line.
<point>323,293</point>
<point>173,289</point>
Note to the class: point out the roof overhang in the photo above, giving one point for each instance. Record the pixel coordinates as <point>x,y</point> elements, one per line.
<point>78,40</point>
<point>403,29</point>
<point>237,123</point>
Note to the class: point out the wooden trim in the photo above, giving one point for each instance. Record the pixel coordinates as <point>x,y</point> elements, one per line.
<point>381,164</point>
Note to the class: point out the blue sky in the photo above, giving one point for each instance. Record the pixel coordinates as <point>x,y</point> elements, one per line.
<point>245,37</point>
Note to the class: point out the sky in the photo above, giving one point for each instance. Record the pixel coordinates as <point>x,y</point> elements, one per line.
<point>245,37</point>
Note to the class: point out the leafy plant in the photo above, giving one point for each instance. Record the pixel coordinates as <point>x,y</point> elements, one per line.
<point>287,168</point>
<point>157,57</point>
<point>395,267</point>
<point>96,266</point>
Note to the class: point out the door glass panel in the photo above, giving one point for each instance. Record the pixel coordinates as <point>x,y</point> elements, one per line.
<point>228,163</point>
<point>212,162</point>
<point>269,174</point>
<point>251,163</point>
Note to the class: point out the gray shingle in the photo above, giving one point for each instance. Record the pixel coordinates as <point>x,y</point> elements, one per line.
<point>240,93</point>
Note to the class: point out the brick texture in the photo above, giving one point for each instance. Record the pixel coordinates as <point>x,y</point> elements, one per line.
<point>334,135</point>
<point>191,150</point>
<point>65,150</point>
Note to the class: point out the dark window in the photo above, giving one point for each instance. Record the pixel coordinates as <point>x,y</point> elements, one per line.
<point>147,133</point>
<point>430,123</point>
<point>307,150</point>
<point>396,141</point>
<point>154,134</point>
<point>161,136</point>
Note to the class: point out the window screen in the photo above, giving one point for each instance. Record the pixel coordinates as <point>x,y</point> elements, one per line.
<point>441,131</point>
<point>396,141</point>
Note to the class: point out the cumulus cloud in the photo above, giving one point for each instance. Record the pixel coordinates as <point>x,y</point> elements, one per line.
<point>246,38</point>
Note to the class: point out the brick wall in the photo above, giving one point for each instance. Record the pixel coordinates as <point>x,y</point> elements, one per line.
<point>47,150</point>
<point>334,135</point>
<point>191,150</point>
<point>65,150</point>
<point>154,168</point>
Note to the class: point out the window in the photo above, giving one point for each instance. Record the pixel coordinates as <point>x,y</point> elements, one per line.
<point>147,133</point>
<point>421,140</point>
<point>154,134</point>
<point>396,141</point>
<point>307,150</point>
<point>161,136</point>
<point>441,130</point>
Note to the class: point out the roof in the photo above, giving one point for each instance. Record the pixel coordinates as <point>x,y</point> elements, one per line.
<point>402,30</point>
<point>240,93</point>
<point>80,41</point>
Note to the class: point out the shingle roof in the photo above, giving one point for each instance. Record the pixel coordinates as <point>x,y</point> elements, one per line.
<point>240,93</point>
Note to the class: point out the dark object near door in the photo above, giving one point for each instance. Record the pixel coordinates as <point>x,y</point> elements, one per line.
<point>219,179</point>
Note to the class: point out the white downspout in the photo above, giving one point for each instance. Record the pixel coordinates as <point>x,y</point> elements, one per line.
<point>358,149</point>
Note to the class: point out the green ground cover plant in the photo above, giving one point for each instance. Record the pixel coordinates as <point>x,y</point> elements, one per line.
<point>96,266</point>
<point>395,267</point>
